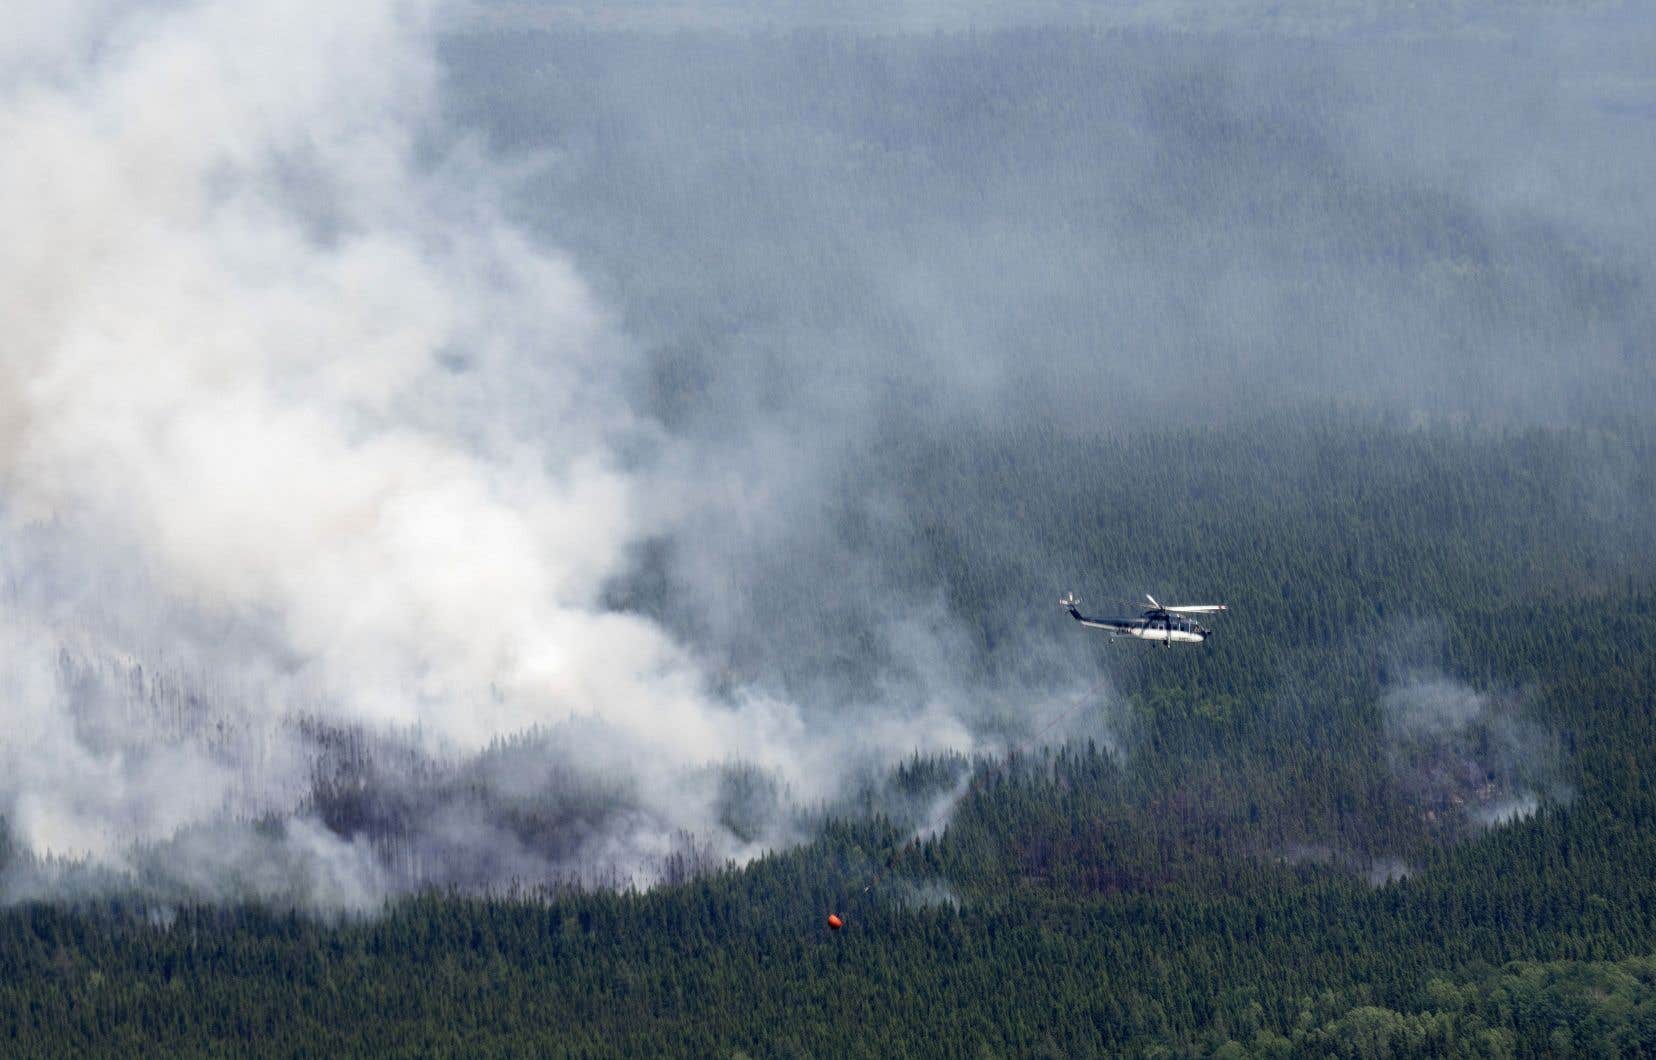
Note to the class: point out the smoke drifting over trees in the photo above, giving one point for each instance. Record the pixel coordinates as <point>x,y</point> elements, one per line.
<point>438,453</point>
<point>298,424</point>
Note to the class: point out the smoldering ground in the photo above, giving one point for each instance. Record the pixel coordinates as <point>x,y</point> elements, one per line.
<point>1469,755</point>
<point>381,379</point>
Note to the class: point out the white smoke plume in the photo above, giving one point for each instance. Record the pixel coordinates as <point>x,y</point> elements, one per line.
<point>1469,755</point>
<point>294,425</point>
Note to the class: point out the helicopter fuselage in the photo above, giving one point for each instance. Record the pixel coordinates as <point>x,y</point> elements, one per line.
<point>1155,629</point>
<point>1165,625</point>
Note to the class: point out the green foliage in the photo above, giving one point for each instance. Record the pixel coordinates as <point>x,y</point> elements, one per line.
<point>1275,859</point>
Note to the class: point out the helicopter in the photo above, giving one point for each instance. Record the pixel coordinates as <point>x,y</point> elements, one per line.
<point>1164,625</point>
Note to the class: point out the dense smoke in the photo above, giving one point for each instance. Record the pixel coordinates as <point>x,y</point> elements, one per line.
<point>304,441</point>
<point>436,453</point>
